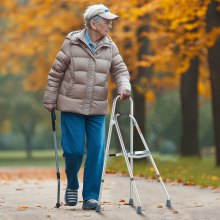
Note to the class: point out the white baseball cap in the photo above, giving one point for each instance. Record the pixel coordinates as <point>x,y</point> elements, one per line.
<point>100,10</point>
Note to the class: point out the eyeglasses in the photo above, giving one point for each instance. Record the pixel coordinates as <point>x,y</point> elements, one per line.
<point>107,22</point>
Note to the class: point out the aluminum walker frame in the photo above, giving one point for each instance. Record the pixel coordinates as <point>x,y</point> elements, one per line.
<point>128,156</point>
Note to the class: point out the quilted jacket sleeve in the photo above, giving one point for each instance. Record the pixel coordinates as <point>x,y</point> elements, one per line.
<point>119,71</point>
<point>56,73</point>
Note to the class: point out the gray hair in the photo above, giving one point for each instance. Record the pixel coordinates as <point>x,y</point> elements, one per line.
<point>96,19</point>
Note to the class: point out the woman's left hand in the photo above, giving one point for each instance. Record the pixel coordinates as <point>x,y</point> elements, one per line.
<point>125,94</point>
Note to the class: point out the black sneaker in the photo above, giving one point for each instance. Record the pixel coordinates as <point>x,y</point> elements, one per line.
<point>89,204</point>
<point>71,197</point>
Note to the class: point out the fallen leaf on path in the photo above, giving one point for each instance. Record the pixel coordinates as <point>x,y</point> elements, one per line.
<point>110,171</point>
<point>175,212</point>
<point>165,180</point>
<point>105,202</point>
<point>216,190</point>
<point>23,207</point>
<point>189,184</point>
<point>179,180</point>
<point>30,173</point>
<point>159,206</point>
<point>48,216</point>
<point>121,200</point>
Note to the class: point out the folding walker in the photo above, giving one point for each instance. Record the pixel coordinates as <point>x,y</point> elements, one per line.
<point>128,155</point>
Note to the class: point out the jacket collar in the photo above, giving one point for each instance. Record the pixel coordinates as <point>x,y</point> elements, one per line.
<point>80,35</point>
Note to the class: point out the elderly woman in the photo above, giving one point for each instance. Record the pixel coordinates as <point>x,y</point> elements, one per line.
<point>78,86</point>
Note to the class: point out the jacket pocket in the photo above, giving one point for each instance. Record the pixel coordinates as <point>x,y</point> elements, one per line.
<point>77,91</point>
<point>69,86</point>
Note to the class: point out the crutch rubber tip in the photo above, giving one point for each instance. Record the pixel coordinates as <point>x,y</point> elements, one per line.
<point>58,205</point>
<point>98,208</point>
<point>131,202</point>
<point>139,210</point>
<point>168,204</point>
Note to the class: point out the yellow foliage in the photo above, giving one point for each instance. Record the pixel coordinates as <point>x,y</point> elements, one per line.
<point>150,96</point>
<point>214,178</point>
<point>176,34</point>
<point>5,127</point>
<point>212,36</point>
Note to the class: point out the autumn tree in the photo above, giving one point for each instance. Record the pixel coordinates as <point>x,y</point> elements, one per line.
<point>213,26</point>
<point>189,101</point>
<point>175,35</point>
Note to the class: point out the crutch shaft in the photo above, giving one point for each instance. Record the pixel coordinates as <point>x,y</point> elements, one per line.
<point>53,118</point>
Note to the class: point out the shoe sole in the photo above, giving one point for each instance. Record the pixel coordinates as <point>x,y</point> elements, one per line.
<point>69,204</point>
<point>86,208</point>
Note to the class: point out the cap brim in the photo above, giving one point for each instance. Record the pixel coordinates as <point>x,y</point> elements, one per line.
<point>109,16</point>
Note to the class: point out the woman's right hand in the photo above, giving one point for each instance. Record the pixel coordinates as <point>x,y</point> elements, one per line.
<point>50,106</point>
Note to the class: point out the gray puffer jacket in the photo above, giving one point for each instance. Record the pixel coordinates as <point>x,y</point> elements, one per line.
<point>78,79</point>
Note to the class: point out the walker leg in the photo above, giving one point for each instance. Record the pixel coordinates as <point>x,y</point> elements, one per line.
<point>168,203</point>
<point>98,208</point>
<point>139,210</point>
<point>131,202</point>
<point>128,165</point>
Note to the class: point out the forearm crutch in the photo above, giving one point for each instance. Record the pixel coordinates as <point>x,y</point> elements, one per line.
<point>128,155</point>
<point>53,118</point>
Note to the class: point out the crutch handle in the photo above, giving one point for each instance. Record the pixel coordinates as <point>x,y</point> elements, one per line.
<point>53,118</point>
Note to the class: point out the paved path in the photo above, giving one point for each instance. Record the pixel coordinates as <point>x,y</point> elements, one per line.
<point>35,199</point>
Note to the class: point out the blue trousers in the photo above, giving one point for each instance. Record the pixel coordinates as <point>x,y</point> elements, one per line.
<point>83,134</point>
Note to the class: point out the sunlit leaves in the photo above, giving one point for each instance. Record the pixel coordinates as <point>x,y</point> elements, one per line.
<point>32,33</point>
<point>35,31</point>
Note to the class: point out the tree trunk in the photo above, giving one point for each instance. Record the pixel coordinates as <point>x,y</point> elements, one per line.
<point>28,133</point>
<point>28,146</point>
<point>139,98</point>
<point>189,101</point>
<point>140,116</point>
<point>213,20</point>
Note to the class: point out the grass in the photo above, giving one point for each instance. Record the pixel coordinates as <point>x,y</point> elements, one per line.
<point>188,170</point>
<point>42,158</point>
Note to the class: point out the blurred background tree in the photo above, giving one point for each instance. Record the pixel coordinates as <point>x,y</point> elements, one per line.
<point>171,49</point>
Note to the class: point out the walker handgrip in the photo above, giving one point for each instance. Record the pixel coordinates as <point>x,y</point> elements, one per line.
<point>53,118</point>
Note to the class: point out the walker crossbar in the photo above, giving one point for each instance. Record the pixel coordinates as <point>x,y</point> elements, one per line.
<point>128,156</point>
<point>136,154</point>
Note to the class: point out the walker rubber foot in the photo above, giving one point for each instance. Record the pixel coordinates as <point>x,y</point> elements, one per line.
<point>58,205</point>
<point>98,208</point>
<point>131,202</point>
<point>139,210</point>
<point>168,204</point>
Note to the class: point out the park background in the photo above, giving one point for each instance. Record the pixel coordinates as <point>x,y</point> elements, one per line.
<point>172,50</point>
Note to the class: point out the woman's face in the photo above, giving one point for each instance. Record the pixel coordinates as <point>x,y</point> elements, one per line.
<point>103,26</point>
